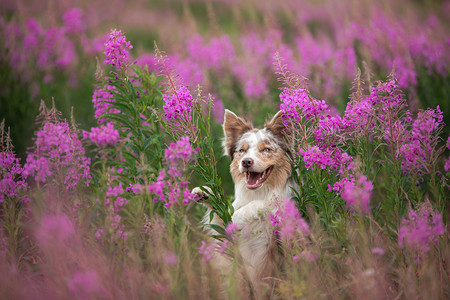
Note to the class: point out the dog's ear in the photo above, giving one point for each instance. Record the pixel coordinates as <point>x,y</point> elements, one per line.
<point>233,127</point>
<point>278,127</point>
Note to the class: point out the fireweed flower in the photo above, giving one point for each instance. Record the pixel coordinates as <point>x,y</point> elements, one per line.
<point>207,251</point>
<point>215,55</point>
<point>58,152</point>
<point>420,228</point>
<point>357,194</point>
<point>388,95</point>
<point>338,186</point>
<point>104,135</point>
<point>170,258</point>
<point>11,178</point>
<point>358,118</point>
<point>315,156</point>
<point>55,229</point>
<point>391,114</point>
<point>99,235</point>
<point>326,158</point>
<point>118,228</point>
<point>102,100</point>
<point>116,49</point>
<point>178,155</point>
<point>73,22</point>
<point>289,222</point>
<point>328,130</point>
<point>85,285</point>
<point>168,187</point>
<point>114,195</point>
<point>420,150</point>
<point>178,105</point>
<point>309,256</point>
<point>38,54</point>
<point>297,104</point>
<point>231,230</point>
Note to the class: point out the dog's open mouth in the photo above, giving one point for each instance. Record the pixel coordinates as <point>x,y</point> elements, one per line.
<point>255,180</point>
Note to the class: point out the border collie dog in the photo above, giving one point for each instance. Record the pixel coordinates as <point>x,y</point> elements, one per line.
<point>261,172</point>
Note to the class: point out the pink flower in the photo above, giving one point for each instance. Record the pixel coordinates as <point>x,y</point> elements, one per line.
<point>168,187</point>
<point>357,195</point>
<point>73,21</point>
<point>308,255</point>
<point>12,179</point>
<point>85,285</point>
<point>290,222</point>
<point>170,258</point>
<point>53,229</point>
<point>207,251</point>
<point>116,49</point>
<point>420,149</point>
<point>297,104</point>
<point>99,234</point>
<point>358,117</point>
<point>178,155</point>
<point>216,54</point>
<point>58,150</point>
<point>104,135</point>
<point>103,99</point>
<point>178,105</point>
<point>420,228</point>
<point>231,229</point>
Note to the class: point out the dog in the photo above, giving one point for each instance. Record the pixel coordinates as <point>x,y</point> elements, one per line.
<point>261,171</point>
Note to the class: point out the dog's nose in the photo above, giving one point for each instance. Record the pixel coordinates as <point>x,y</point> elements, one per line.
<point>247,162</point>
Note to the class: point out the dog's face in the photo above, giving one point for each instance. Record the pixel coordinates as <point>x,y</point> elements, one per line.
<point>259,156</point>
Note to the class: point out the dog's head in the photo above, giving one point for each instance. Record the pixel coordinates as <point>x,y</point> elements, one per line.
<point>258,156</point>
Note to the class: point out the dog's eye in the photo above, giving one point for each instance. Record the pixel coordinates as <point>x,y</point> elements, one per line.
<point>266,149</point>
<point>242,151</point>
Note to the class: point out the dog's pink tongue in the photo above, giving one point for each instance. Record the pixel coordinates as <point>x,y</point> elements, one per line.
<point>253,177</point>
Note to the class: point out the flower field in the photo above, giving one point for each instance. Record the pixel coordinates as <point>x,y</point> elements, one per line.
<point>112,113</point>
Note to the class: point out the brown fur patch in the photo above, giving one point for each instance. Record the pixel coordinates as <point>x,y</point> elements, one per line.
<point>281,171</point>
<point>234,168</point>
<point>278,128</point>
<point>233,127</point>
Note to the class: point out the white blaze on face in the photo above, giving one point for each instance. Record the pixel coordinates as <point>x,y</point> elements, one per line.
<point>249,143</point>
<point>255,150</point>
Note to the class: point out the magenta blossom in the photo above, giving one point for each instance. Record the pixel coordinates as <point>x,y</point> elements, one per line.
<point>104,135</point>
<point>178,105</point>
<point>11,178</point>
<point>297,104</point>
<point>207,251</point>
<point>54,229</point>
<point>357,195</point>
<point>168,187</point>
<point>73,21</point>
<point>420,149</point>
<point>86,285</point>
<point>291,225</point>
<point>102,100</point>
<point>420,228</point>
<point>116,49</point>
<point>58,151</point>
